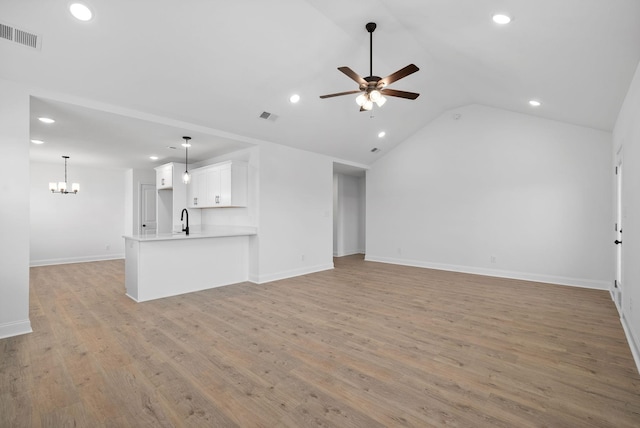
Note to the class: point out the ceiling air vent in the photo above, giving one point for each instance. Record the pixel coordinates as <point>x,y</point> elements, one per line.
<point>21,37</point>
<point>268,116</point>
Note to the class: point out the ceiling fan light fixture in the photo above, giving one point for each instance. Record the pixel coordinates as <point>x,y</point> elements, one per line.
<point>369,87</point>
<point>380,101</point>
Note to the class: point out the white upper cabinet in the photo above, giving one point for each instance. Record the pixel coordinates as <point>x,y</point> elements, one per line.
<point>164,176</point>
<point>221,185</point>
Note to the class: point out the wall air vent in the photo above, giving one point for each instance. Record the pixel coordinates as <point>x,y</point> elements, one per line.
<point>19,36</point>
<point>268,116</point>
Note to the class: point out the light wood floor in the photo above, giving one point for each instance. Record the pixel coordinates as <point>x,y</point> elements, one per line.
<point>364,345</point>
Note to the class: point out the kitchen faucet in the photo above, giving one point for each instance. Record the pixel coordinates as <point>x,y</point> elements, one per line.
<point>185,229</point>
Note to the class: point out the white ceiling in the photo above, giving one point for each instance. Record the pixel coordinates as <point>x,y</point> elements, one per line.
<point>219,65</point>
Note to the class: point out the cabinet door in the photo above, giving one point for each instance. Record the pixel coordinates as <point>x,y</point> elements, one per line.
<point>225,186</point>
<point>164,177</point>
<point>213,190</point>
<point>193,194</point>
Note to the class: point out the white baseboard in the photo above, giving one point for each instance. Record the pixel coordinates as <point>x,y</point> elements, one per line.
<point>634,344</point>
<point>15,328</point>
<point>551,279</point>
<point>348,253</point>
<point>82,259</point>
<point>263,279</point>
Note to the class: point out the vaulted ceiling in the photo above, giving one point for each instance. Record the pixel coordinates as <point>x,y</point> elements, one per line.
<point>220,65</point>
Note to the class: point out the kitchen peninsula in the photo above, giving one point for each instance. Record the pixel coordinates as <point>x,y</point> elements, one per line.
<point>181,259</point>
<point>168,264</point>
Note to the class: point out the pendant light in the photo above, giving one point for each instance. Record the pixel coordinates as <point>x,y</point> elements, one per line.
<point>186,177</point>
<point>61,187</point>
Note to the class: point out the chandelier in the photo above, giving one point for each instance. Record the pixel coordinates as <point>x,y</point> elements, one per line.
<point>61,186</point>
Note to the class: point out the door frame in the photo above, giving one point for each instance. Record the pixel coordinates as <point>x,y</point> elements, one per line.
<point>618,285</point>
<point>141,203</point>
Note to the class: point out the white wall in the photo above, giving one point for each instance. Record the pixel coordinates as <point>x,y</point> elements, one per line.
<point>14,210</point>
<point>533,195</point>
<point>295,230</point>
<point>626,134</point>
<point>75,228</point>
<point>349,215</point>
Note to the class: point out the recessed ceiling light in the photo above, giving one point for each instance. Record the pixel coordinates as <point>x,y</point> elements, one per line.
<point>294,98</point>
<point>80,11</point>
<point>37,141</point>
<point>46,120</point>
<point>502,19</point>
<point>535,103</point>
<point>153,157</point>
<point>381,134</point>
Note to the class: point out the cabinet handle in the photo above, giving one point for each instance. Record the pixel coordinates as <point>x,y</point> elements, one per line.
<point>217,199</point>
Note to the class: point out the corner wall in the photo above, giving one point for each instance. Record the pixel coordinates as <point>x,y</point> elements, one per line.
<point>496,193</point>
<point>14,210</point>
<point>295,228</point>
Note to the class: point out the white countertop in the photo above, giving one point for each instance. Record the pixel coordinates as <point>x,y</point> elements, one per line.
<point>197,233</point>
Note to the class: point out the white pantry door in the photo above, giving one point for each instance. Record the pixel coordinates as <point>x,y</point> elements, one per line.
<point>148,222</point>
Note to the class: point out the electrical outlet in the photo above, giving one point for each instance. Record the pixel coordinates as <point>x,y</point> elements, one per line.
<point>399,251</point>
<point>107,247</point>
<point>302,257</point>
<point>494,259</point>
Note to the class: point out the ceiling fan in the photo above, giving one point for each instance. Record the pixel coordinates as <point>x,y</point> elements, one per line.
<point>374,88</point>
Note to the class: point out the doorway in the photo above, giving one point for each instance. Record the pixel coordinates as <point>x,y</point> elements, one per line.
<point>349,205</point>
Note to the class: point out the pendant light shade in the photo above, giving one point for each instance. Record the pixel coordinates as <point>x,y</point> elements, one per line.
<point>186,177</point>
<point>61,187</point>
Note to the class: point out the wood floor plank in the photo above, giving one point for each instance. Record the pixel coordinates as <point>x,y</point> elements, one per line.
<point>363,345</point>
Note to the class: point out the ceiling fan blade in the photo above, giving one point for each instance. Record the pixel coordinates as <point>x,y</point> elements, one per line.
<point>353,75</point>
<point>403,72</point>
<point>400,94</point>
<point>339,94</point>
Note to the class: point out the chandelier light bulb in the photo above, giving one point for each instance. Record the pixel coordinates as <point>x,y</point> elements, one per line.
<point>368,105</point>
<point>361,99</point>
<point>380,101</point>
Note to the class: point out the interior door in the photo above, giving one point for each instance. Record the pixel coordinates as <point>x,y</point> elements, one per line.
<point>618,285</point>
<point>148,221</point>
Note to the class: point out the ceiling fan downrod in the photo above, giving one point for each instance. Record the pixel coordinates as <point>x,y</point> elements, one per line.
<point>371,27</point>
